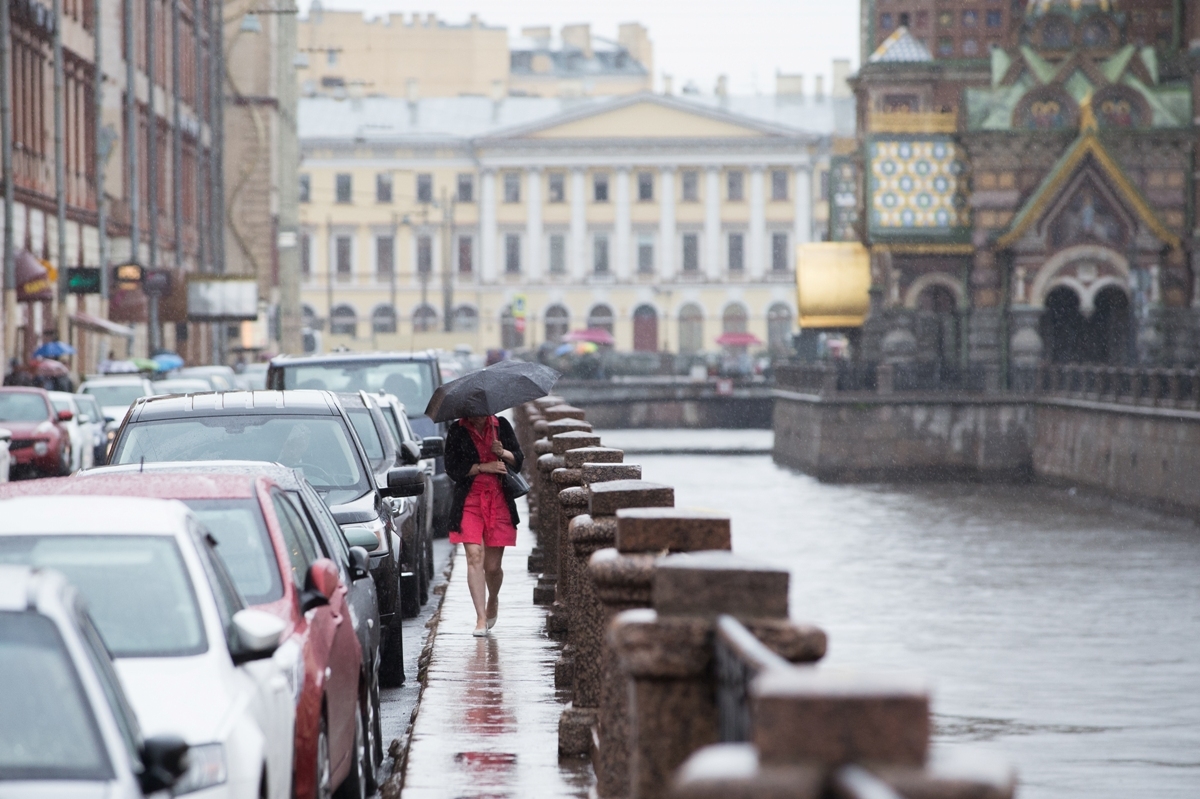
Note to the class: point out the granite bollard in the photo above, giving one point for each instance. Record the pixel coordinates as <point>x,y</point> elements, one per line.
<point>563,435</point>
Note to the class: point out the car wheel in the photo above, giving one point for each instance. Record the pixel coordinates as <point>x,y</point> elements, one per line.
<point>371,744</point>
<point>324,781</point>
<point>65,461</point>
<point>391,654</point>
<point>429,554</point>
<point>355,784</point>
<point>421,567</point>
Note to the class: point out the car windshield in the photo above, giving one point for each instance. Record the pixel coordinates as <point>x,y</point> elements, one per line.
<point>47,729</point>
<point>61,404</point>
<point>410,381</point>
<point>364,425</point>
<point>120,394</point>
<point>243,544</point>
<point>21,406</point>
<point>137,587</point>
<point>320,447</point>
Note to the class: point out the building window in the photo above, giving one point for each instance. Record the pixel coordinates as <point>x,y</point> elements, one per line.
<point>558,192</point>
<point>385,256</point>
<point>512,329</point>
<point>425,188</point>
<point>512,187</point>
<point>691,186</point>
<point>780,262</point>
<point>512,254</point>
<point>558,322</point>
<point>465,319</point>
<point>735,182</point>
<point>305,188</point>
<point>645,184</point>
<point>466,255</point>
<point>600,254</point>
<point>735,319</point>
<point>600,188</point>
<point>779,329</point>
<point>466,188</point>
<point>383,187</point>
<point>886,21</point>
<point>691,329</point>
<point>341,246</point>
<point>691,252</point>
<point>970,18</point>
<point>424,255</point>
<point>306,254</point>
<point>946,19</point>
<point>558,254</point>
<point>737,252</point>
<point>645,255</point>
<point>344,186</point>
<point>945,46</point>
<point>970,47</point>
<point>383,319</point>
<point>600,318</point>
<point>779,184</point>
<point>331,58</point>
<point>424,319</point>
<point>343,321</point>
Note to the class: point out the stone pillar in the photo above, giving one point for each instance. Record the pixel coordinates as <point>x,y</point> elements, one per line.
<point>548,461</point>
<point>756,251</point>
<point>578,262</point>
<point>668,655</point>
<point>712,222</point>
<point>529,434</point>
<point>622,247</point>
<point>589,534</point>
<point>666,222</point>
<point>533,222</point>
<point>802,225</point>
<point>487,227</point>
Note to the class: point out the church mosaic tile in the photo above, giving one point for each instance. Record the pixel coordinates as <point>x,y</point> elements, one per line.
<point>917,187</point>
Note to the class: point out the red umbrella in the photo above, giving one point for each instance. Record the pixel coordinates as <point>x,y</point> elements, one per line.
<point>48,368</point>
<point>595,335</point>
<point>738,340</point>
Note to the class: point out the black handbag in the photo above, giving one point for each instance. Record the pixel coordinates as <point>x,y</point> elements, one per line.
<point>515,484</point>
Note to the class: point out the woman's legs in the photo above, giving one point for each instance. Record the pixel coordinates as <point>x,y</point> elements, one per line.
<point>494,576</point>
<point>476,582</point>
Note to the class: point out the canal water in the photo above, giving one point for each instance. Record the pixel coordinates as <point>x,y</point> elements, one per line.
<point>1059,630</point>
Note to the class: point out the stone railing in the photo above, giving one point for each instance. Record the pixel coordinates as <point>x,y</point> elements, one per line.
<point>1168,388</point>
<point>681,671</point>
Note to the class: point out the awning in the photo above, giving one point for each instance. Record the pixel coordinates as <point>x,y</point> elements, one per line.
<point>95,324</point>
<point>833,280</point>
<point>33,281</point>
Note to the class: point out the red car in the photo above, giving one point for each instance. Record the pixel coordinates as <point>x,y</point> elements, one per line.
<point>274,556</point>
<point>40,444</point>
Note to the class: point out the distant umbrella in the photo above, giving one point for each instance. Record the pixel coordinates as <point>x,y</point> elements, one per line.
<point>145,365</point>
<point>46,368</point>
<point>738,340</point>
<point>491,390</point>
<point>168,361</point>
<point>54,349</point>
<point>118,368</point>
<point>596,335</point>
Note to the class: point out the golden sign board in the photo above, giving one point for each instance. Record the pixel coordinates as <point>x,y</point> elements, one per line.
<point>833,280</point>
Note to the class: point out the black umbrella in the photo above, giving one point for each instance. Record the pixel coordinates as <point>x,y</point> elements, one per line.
<point>491,390</point>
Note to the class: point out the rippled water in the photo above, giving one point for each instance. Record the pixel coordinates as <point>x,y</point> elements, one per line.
<point>1060,631</point>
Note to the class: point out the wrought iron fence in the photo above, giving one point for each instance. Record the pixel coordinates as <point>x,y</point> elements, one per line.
<point>739,658</point>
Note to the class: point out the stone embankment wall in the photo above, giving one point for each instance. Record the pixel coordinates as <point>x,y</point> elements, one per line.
<point>681,673</point>
<point>670,404</point>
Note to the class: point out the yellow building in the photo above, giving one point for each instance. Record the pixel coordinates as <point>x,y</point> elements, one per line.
<point>666,220</point>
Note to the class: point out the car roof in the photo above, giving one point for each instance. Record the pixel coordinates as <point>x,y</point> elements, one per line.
<point>139,484</point>
<point>298,402</point>
<point>335,357</point>
<point>283,476</point>
<point>22,390</point>
<point>77,514</point>
<point>115,379</point>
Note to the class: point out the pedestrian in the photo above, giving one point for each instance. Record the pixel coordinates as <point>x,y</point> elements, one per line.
<point>483,517</point>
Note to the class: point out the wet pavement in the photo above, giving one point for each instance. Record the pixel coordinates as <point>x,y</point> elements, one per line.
<point>487,725</point>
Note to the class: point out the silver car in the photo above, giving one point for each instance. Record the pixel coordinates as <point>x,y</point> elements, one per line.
<point>66,728</point>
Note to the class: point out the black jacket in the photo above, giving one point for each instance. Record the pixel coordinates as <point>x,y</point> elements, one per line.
<point>461,455</point>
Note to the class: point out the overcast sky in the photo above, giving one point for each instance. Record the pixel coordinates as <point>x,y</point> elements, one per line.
<point>694,40</point>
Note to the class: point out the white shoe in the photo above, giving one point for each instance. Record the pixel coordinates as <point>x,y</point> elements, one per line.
<point>480,633</point>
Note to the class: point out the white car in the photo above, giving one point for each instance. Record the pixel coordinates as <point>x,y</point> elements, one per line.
<point>193,660</point>
<point>79,429</point>
<point>99,427</point>
<point>5,458</point>
<point>67,728</point>
<point>116,393</point>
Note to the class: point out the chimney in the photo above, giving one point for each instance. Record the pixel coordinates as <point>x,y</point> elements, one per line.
<point>578,37</point>
<point>540,34</point>
<point>819,87</point>
<point>634,38</point>
<point>722,89</point>
<point>789,85</point>
<point>475,21</point>
<point>668,84</point>
<point>497,94</point>
<point>841,78</point>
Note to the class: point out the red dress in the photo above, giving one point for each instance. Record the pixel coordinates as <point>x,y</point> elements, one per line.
<point>485,518</point>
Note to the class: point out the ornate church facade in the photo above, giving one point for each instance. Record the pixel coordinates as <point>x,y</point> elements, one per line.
<point>1036,202</point>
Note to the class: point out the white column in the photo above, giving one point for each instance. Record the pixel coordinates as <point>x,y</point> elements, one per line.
<point>533,223</point>
<point>579,264</point>
<point>758,225</point>
<point>487,227</point>
<point>712,223</point>
<point>804,218</point>
<point>666,222</point>
<point>622,247</point>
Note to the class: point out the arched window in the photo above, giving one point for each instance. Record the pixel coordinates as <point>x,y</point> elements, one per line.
<point>512,330</point>
<point>343,321</point>
<point>425,319</point>
<point>600,318</point>
<point>735,319</point>
<point>691,329</point>
<point>308,317</point>
<point>383,319</point>
<point>558,322</point>
<point>779,328</point>
<point>645,329</point>
<point>465,320</point>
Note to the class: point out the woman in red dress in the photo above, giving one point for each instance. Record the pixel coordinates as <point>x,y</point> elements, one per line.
<point>483,518</point>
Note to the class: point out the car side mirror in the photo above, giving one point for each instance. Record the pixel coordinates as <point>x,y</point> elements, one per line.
<point>109,420</point>
<point>84,418</point>
<point>405,481</point>
<point>164,761</point>
<point>320,584</point>
<point>361,538</point>
<point>433,447</point>
<point>65,416</point>
<point>410,453</point>
<point>360,563</point>
<point>258,634</point>
<point>5,435</point>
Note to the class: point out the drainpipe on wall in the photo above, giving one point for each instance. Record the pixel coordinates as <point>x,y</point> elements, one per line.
<point>6,162</point>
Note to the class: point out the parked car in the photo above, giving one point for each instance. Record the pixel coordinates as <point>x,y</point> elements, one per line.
<point>116,394</point>
<point>220,378</point>
<point>79,429</point>
<point>68,729</point>
<point>410,376</point>
<point>307,430</point>
<point>41,444</point>
<point>181,385</point>
<point>193,658</point>
<point>99,426</point>
<point>5,459</point>
<point>252,377</point>
<point>352,561</point>
<point>277,564</point>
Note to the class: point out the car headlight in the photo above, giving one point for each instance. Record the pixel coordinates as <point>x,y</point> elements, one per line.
<point>290,660</point>
<point>41,448</point>
<point>378,529</point>
<point>206,768</point>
